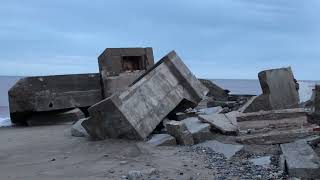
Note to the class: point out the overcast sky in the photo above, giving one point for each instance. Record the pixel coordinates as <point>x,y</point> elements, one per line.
<point>215,38</point>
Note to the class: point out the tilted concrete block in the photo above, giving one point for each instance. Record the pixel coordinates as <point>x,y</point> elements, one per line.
<point>136,112</point>
<point>50,93</point>
<point>279,91</point>
<point>119,67</point>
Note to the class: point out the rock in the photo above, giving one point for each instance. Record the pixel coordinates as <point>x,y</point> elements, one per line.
<point>135,113</point>
<point>228,150</point>
<point>212,110</point>
<point>180,131</point>
<point>120,67</point>
<point>301,160</point>
<point>279,91</point>
<point>55,117</point>
<point>31,95</point>
<point>77,130</point>
<point>162,140</point>
<point>135,175</point>
<point>220,122</point>
<point>200,131</point>
<point>262,161</point>
<point>215,91</point>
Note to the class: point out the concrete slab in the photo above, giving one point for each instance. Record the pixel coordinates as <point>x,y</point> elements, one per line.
<point>279,91</point>
<point>52,93</point>
<point>211,110</point>
<point>55,117</point>
<point>199,130</point>
<point>136,112</point>
<point>162,140</point>
<point>180,131</point>
<point>228,150</point>
<point>301,160</point>
<point>214,90</point>
<point>262,161</point>
<point>77,130</point>
<point>220,122</point>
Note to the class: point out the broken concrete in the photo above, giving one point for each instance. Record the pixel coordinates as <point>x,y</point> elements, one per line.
<point>120,67</point>
<point>180,131</point>
<point>55,117</point>
<point>77,129</point>
<point>215,91</point>
<point>262,161</point>
<point>211,110</point>
<point>199,130</point>
<point>301,160</point>
<point>228,150</point>
<point>162,140</point>
<point>52,93</point>
<point>136,112</point>
<point>220,122</point>
<point>279,91</point>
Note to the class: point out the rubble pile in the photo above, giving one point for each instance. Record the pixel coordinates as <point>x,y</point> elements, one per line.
<point>166,105</point>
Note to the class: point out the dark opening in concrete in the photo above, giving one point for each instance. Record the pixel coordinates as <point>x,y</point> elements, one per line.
<point>133,63</point>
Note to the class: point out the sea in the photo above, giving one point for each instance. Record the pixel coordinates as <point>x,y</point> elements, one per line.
<point>236,86</point>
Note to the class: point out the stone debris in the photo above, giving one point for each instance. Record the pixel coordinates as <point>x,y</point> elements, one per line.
<point>180,131</point>
<point>55,117</point>
<point>162,140</point>
<point>77,130</point>
<point>211,110</point>
<point>228,150</point>
<point>279,91</point>
<point>301,160</point>
<point>221,123</point>
<point>199,130</point>
<point>215,91</point>
<point>52,93</point>
<point>136,112</point>
<point>262,161</point>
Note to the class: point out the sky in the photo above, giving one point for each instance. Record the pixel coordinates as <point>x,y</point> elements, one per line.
<point>217,39</point>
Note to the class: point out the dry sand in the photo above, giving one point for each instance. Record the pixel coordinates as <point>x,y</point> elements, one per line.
<point>50,152</point>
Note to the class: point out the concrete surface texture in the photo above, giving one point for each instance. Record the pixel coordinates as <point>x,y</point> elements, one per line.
<point>136,112</point>
<point>279,91</point>
<point>49,93</point>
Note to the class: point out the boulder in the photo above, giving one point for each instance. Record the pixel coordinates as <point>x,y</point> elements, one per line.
<point>301,160</point>
<point>31,95</point>
<point>55,117</point>
<point>162,140</point>
<point>200,131</point>
<point>279,91</point>
<point>180,131</point>
<point>77,129</point>
<point>136,112</point>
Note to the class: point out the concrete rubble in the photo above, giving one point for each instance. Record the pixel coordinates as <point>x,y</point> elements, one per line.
<point>166,105</point>
<point>279,91</point>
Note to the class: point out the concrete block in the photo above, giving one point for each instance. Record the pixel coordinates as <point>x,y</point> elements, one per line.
<point>52,93</point>
<point>200,131</point>
<point>301,160</point>
<point>55,117</point>
<point>180,131</point>
<point>136,112</point>
<point>262,161</point>
<point>214,90</point>
<point>162,140</point>
<point>228,150</point>
<point>220,122</point>
<point>279,91</point>
<point>120,67</point>
<point>77,129</point>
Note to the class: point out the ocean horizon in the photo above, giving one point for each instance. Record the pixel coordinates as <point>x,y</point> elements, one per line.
<point>236,86</point>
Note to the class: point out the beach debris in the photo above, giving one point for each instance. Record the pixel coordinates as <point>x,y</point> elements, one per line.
<point>77,130</point>
<point>55,117</point>
<point>135,113</point>
<point>179,130</point>
<point>120,67</point>
<point>200,131</point>
<point>279,91</point>
<point>220,122</point>
<point>51,93</point>
<point>301,160</point>
<point>216,92</point>
<point>162,140</point>
<point>228,150</point>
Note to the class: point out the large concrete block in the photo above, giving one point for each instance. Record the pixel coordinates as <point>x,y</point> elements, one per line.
<point>113,62</point>
<point>279,91</point>
<point>50,93</point>
<point>136,112</point>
